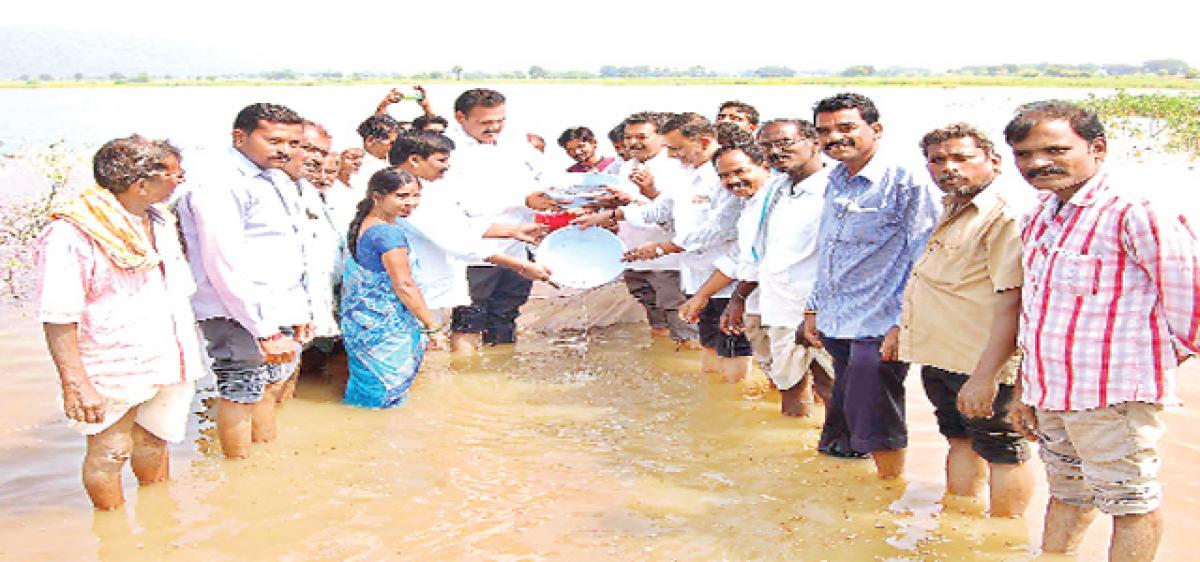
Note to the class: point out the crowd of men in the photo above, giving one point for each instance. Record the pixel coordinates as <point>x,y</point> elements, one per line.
<point>806,246</point>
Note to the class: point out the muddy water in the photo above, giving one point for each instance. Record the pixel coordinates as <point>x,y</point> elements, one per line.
<point>595,448</point>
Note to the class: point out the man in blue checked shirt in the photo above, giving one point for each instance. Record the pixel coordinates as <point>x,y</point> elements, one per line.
<point>877,217</point>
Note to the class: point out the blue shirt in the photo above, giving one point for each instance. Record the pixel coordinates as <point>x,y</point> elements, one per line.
<point>874,226</point>
<point>242,226</point>
<point>377,241</point>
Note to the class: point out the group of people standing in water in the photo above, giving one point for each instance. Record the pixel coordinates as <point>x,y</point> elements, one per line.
<point>1054,307</point>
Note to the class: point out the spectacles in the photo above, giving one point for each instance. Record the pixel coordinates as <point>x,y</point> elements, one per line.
<point>781,144</point>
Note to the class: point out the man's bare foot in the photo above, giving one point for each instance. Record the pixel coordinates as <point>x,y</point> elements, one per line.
<point>660,332</point>
<point>796,402</point>
<point>688,345</point>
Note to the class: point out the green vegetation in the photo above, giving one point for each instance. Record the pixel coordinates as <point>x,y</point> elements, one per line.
<point>931,81</point>
<point>1171,121</point>
<point>23,221</point>
<point>1154,74</point>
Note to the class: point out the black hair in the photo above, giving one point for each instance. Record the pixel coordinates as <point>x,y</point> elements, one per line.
<point>848,100</point>
<point>729,134</point>
<point>691,125</point>
<point>477,97</point>
<point>384,182</point>
<point>803,126</point>
<point>957,131</point>
<point>656,118</point>
<point>1085,123</point>
<point>419,143</point>
<point>582,134</point>
<point>248,118</point>
<point>751,150</point>
<point>120,163</point>
<point>617,134</point>
<point>743,108</point>
<point>425,120</point>
<point>378,127</point>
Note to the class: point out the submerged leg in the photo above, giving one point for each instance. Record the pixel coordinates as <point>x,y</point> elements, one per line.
<point>106,454</point>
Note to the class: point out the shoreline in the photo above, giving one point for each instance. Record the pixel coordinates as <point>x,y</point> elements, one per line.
<point>947,81</point>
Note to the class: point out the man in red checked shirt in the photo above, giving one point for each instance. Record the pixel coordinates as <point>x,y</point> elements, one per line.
<point>1109,308</point>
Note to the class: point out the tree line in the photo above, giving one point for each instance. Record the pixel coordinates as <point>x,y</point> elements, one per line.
<point>1157,67</point>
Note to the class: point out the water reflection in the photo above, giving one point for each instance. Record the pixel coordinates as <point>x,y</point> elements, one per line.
<point>605,448</point>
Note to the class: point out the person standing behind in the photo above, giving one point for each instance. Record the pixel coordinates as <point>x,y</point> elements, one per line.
<point>874,225</point>
<point>384,318</point>
<point>782,250</point>
<point>443,239</point>
<point>241,227</point>
<point>655,283</point>
<point>580,145</point>
<point>739,113</point>
<point>494,180</point>
<point>1109,310</point>
<point>964,294</point>
<point>112,296</point>
<point>324,248</point>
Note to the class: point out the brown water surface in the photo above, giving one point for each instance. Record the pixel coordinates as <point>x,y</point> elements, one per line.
<point>588,448</point>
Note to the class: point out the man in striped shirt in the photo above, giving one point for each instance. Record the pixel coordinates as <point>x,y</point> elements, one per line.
<point>1110,307</point>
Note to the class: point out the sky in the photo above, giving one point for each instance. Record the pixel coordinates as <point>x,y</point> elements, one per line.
<point>492,35</point>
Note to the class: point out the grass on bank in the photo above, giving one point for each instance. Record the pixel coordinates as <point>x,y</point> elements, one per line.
<point>943,81</point>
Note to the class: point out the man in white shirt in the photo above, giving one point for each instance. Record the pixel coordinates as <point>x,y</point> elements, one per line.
<point>779,262</point>
<point>241,225</point>
<point>495,182</point>
<point>324,247</point>
<point>448,238</point>
<point>702,213</point>
<point>378,132</point>
<point>655,281</point>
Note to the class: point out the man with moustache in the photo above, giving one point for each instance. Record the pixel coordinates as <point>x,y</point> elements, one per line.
<point>242,225</point>
<point>960,317</point>
<point>779,263</point>
<point>324,247</point>
<point>655,283</point>
<point>740,113</point>
<point>448,239</point>
<point>1109,310</point>
<point>876,219</point>
<point>495,182</point>
<point>703,215</point>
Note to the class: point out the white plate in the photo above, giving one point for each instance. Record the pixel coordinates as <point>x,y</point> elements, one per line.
<point>582,258</point>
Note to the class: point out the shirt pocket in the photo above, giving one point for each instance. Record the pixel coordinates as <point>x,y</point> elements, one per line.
<point>863,226</point>
<point>1076,274</point>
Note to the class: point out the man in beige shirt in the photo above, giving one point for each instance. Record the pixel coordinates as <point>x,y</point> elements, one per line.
<point>962,301</point>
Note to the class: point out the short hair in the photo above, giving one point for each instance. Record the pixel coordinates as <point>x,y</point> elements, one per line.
<point>249,117</point>
<point>309,124</point>
<point>617,134</point>
<point>848,100</point>
<point>751,150</point>
<point>425,120</point>
<point>957,131</point>
<point>691,125</point>
<point>729,134</point>
<point>656,118</point>
<point>1084,122</point>
<point>120,163</point>
<point>803,126</point>
<point>420,143</point>
<point>477,97</point>
<point>378,127</point>
<point>741,107</point>
<point>581,134</point>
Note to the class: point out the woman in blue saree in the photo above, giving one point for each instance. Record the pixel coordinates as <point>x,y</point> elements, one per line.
<point>384,318</point>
